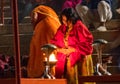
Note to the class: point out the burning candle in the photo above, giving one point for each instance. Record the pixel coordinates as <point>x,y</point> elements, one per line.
<point>52,58</point>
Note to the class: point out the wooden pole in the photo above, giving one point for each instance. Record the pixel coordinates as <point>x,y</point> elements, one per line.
<point>2,11</point>
<point>16,41</point>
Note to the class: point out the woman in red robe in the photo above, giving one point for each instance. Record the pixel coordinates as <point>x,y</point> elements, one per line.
<point>74,42</point>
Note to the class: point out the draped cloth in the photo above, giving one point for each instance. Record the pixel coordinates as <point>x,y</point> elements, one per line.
<point>81,40</point>
<point>45,28</point>
<point>70,3</point>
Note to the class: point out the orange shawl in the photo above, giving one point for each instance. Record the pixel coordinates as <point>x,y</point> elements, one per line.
<point>43,32</point>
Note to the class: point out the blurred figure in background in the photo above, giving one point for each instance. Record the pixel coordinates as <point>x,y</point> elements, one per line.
<point>56,5</point>
<point>70,3</point>
<point>92,11</point>
<point>25,7</point>
<point>46,23</point>
<point>29,5</point>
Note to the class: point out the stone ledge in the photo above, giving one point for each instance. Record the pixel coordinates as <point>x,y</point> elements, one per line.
<point>23,28</point>
<point>109,35</point>
<point>33,81</point>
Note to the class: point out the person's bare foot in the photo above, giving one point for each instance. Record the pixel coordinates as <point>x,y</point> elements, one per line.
<point>118,10</point>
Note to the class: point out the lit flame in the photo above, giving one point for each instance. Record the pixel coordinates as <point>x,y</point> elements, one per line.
<point>52,58</point>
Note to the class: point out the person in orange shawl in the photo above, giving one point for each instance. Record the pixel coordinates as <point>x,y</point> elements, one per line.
<point>46,23</point>
<point>74,42</point>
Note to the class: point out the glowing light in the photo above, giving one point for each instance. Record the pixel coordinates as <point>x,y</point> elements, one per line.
<point>52,58</point>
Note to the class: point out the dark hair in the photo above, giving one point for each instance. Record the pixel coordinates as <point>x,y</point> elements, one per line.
<point>71,14</point>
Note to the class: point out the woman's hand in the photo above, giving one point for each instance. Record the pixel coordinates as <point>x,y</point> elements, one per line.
<point>66,51</point>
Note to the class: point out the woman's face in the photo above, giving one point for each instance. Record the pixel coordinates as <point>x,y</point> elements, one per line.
<point>65,21</point>
<point>37,17</point>
<point>34,17</point>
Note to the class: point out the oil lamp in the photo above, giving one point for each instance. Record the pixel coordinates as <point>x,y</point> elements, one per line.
<point>49,61</point>
<point>98,45</point>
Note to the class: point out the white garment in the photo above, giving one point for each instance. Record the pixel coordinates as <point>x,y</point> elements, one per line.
<point>104,11</point>
<point>102,14</point>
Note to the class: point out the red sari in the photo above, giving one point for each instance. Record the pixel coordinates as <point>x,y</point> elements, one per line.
<point>81,40</point>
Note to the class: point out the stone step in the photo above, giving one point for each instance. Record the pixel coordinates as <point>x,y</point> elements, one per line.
<point>7,11</point>
<point>8,16</point>
<point>23,28</point>
<point>109,35</point>
<point>6,2</point>
<point>113,24</point>
<point>25,20</point>
<point>8,39</point>
<point>9,49</point>
<point>7,42</point>
<point>114,70</point>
